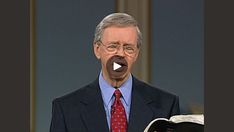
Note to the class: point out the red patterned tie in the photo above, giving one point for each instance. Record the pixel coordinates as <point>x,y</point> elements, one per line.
<point>118,115</point>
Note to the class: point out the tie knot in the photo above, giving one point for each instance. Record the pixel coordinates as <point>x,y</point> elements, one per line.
<point>117,93</point>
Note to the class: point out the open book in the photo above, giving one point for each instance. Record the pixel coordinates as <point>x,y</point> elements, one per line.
<point>177,123</point>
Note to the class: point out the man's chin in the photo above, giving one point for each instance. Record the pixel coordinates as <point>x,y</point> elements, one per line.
<point>118,78</point>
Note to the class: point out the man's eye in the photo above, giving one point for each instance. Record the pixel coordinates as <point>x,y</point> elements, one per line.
<point>129,48</point>
<point>112,46</point>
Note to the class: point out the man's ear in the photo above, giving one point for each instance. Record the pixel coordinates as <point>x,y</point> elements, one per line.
<point>96,49</point>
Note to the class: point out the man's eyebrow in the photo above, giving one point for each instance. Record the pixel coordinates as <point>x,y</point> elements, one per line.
<point>128,44</point>
<point>113,42</point>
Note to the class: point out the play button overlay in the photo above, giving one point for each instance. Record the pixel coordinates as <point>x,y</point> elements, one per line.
<point>116,66</point>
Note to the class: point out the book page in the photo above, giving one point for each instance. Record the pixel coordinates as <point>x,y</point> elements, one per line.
<point>188,118</point>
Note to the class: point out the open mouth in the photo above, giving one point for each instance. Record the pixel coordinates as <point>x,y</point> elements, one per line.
<point>117,66</point>
<point>122,68</point>
<point>121,62</point>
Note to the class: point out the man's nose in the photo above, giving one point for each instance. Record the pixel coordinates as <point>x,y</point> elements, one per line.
<point>120,51</point>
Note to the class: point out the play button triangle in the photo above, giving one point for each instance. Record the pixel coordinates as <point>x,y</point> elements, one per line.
<point>116,66</point>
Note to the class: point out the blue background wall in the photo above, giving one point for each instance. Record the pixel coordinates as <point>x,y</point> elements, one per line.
<point>64,55</point>
<point>65,59</point>
<point>177,49</point>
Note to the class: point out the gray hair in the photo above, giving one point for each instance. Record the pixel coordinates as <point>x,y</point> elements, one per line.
<point>120,20</point>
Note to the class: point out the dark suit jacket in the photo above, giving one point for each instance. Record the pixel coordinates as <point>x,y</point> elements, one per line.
<point>83,110</point>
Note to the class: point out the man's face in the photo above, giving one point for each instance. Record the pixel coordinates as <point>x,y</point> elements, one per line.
<point>125,38</point>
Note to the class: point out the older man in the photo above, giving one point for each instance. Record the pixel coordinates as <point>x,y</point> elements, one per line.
<point>116,101</point>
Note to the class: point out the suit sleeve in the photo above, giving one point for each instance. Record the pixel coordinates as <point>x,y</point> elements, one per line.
<point>57,121</point>
<point>175,107</point>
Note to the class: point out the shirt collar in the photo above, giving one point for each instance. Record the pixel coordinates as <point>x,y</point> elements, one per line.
<point>107,90</point>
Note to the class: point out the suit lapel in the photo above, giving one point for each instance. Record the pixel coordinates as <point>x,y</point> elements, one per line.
<point>94,115</point>
<point>140,114</point>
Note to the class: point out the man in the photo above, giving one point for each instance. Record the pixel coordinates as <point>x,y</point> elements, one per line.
<point>116,101</point>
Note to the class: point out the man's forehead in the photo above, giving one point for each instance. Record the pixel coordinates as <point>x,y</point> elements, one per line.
<point>117,33</point>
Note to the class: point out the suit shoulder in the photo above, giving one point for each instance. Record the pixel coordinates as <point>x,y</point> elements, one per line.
<point>74,96</point>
